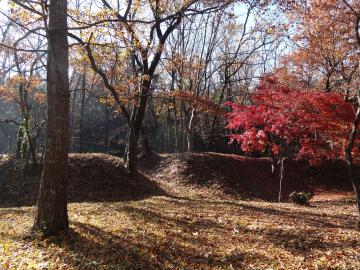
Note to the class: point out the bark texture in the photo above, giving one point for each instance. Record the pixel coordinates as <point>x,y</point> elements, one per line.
<point>52,217</point>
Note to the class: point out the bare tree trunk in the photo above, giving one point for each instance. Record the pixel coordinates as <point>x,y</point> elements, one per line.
<point>147,150</point>
<point>73,117</point>
<point>19,142</point>
<point>281,161</point>
<point>51,217</point>
<point>30,141</point>
<point>188,131</point>
<point>190,142</point>
<point>175,128</point>
<point>131,152</point>
<point>107,129</point>
<point>137,118</point>
<point>82,112</point>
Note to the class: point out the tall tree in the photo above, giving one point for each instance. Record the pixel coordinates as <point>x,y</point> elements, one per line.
<point>52,217</point>
<point>356,102</point>
<point>324,53</point>
<point>145,46</point>
<point>298,123</point>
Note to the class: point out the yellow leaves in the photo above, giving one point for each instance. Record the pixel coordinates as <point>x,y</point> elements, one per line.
<point>24,16</point>
<point>104,100</point>
<point>137,5</point>
<point>2,90</point>
<point>124,54</point>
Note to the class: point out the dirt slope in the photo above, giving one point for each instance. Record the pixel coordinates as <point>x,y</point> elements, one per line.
<point>100,177</point>
<point>231,174</point>
<point>93,177</point>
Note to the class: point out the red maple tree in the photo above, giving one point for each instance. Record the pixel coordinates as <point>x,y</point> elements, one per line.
<point>298,123</point>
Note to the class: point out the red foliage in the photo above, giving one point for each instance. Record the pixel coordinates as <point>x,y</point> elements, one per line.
<point>301,123</point>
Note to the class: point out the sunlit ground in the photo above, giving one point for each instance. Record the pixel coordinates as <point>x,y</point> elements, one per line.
<point>183,233</point>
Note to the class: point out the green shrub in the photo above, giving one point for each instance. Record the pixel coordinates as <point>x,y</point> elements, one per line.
<point>301,198</point>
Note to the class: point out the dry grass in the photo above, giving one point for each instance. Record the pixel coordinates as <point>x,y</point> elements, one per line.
<point>167,232</point>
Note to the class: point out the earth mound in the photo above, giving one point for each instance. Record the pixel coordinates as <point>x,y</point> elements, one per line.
<point>101,177</point>
<point>251,178</point>
<point>92,177</point>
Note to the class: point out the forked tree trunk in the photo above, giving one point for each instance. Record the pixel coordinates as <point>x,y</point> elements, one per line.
<point>349,160</point>
<point>51,217</point>
<point>137,118</point>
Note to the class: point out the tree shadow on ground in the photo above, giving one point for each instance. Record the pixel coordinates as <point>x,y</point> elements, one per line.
<point>305,231</point>
<point>304,241</point>
<point>157,218</point>
<point>297,239</point>
<point>93,248</point>
<point>317,220</point>
<point>173,233</point>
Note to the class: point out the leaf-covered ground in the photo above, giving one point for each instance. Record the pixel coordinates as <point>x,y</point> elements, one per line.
<point>171,218</point>
<point>169,232</point>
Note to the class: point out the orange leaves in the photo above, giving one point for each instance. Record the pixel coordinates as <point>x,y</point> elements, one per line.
<point>182,233</point>
<point>200,103</point>
<point>186,66</point>
<point>324,41</point>
<point>17,87</point>
<point>6,94</point>
<point>40,97</point>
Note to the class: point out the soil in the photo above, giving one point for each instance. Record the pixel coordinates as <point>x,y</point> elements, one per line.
<point>92,177</point>
<point>101,177</point>
<point>231,175</point>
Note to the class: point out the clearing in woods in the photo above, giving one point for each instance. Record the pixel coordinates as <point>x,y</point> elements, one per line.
<point>176,226</point>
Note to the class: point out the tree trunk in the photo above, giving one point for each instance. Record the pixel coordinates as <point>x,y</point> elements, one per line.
<point>349,160</point>
<point>137,118</point>
<point>51,217</point>
<point>19,142</point>
<point>175,128</point>
<point>30,141</point>
<point>190,142</point>
<point>147,150</point>
<point>73,117</point>
<point>188,131</point>
<point>107,129</point>
<point>353,135</point>
<point>131,153</point>
<point>82,112</point>
<point>281,178</point>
